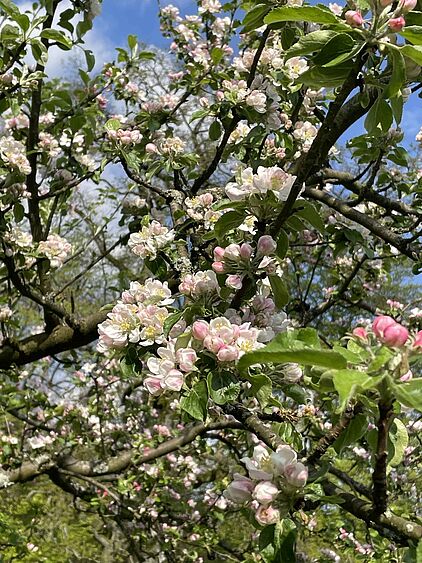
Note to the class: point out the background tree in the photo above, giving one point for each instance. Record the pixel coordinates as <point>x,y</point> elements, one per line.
<point>254,393</point>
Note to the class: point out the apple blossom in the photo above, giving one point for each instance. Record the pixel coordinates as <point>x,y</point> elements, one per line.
<point>396,24</point>
<point>240,489</point>
<point>266,515</point>
<point>296,474</point>
<point>265,492</point>
<point>353,18</point>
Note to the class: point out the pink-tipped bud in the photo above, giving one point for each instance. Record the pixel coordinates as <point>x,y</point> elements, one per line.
<point>213,343</point>
<point>239,490</point>
<point>234,281</point>
<point>353,18</point>
<point>381,323</point>
<point>296,474</point>
<point>266,246</point>
<point>407,6</point>
<point>406,376</point>
<point>200,330</point>
<point>417,343</point>
<point>228,354</point>
<point>151,148</point>
<point>218,253</point>
<point>218,267</point>
<point>246,251</point>
<point>396,24</point>
<point>395,335</point>
<point>360,333</point>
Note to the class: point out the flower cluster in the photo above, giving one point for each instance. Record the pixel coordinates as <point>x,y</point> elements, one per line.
<point>271,476</point>
<point>239,259</point>
<point>203,283</point>
<point>13,154</point>
<point>166,371</point>
<point>137,318</point>
<point>56,248</point>
<point>125,136</point>
<point>226,340</point>
<point>390,333</point>
<point>266,179</point>
<point>152,238</point>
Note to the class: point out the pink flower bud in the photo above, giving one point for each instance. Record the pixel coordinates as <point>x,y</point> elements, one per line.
<point>265,492</point>
<point>417,343</point>
<point>266,515</point>
<point>360,333</point>
<point>246,251</point>
<point>218,267</point>
<point>380,324</point>
<point>218,254</point>
<point>395,335</point>
<point>228,354</point>
<point>296,474</point>
<point>353,18</point>
<point>206,199</point>
<point>213,343</point>
<point>200,330</point>
<point>151,148</point>
<point>396,24</point>
<point>407,6</point>
<point>240,489</point>
<point>234,281</point>
<point>266,246</point>
<point>232,252</point>
<point>406,376</point>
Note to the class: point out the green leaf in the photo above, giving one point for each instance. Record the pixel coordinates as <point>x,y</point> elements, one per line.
<point>90,59</point>
<point>214,131</point>
<point>227,222</point>
<point>286,347</point>
<point>325,77</point>
<point>171,320</point>
<point>280,291</point>
<point>196,401</point>
<point>313,14</point>
<point>413,18</point>
<point>348,382</point>
<point>266,537</point>
<point>282,244</point>
<point>222,387</point>
<point>18,212</point>
<point>132,41</point>
<point>9,8</point>
<point>409,394</point>
<point>354,431</point>
<point>398,74</point>
<point>310,43</point>
<point>412,33</point>
<point>255,17</point>
<point>112,124</point>
<point>261,388</point>
<point>340,44</point>
<point>217,54</point>
<point>414,52</point>
<point>311,214</point>
<point>56,36</point>
<point>380,117</point>
<point>399,440</point>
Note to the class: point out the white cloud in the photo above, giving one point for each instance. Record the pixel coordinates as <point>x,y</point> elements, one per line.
<point>60,62</point>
